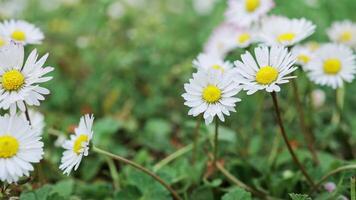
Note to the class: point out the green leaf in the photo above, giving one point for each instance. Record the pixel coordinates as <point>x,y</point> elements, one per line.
<point>237,194</point>
<point>64,188</point>
<point>299,197</point>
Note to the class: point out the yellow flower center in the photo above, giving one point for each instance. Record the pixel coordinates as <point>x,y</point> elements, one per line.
<point>286,37</point>
<point>78,143</point>
<point>211,94</point>
<point>18,35</point>
<point>345,36</point>
<point>9,146</point>
<point>217,67</point>
<point>266,75</point>
<point>12,80</point>
<point>243,38</point>
<point>313,46</point>
<point>252,5</point>
<point>332,66</point>
<point>2,42</point>
<point>303,58</point>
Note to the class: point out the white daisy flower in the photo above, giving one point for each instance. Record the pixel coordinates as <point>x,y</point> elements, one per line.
<point>212,94</point>
<point>332,65</point>
<point>37,120</point>
<point>3,41</point>
<point>278,30</point>
<point>243,38</point>
<point>19,84</point>
<point>303,54</point>
<point>78,145</point>
<point>19,147</point>
<point>271,69</point>
<point>212,62</point>
<point>243,13</point>
<point>219,43</point>
<point>21,31</point>
<point>343,32</point>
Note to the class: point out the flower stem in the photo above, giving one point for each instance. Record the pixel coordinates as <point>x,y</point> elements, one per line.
<point>216,137</point>
<point>196,139</point>
<point>284,135</point>
<point>309,138</point>
<point>27,115</point>
<point>113,173</point>
<point>353,188</point>
<point>139,167</point>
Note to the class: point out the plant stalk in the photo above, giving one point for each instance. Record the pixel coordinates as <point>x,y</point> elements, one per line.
<point>216,137</point>
<point>139,167</point>
<point>284,135</point>
<point>196,139</point>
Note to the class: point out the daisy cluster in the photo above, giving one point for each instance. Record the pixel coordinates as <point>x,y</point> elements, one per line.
<point>21,128</point>
<point>273,52</point>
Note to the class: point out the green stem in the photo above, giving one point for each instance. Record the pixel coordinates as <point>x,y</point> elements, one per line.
<point>113,172</point>
<point>216,137</point>
<point>196,139</point>
<point>331,173</point>
<point>284,135</point>
<point>339,105</point>
<point>139,167</point>
<point>353,188</point>
<point>172,157</point>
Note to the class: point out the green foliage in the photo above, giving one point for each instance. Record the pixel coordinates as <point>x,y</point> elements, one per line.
<point>299,197</point>
<point>237,194</point>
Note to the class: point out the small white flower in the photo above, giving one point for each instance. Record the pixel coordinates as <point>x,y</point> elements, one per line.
<point>115,10</point>
<point>303,54</point>
<point>318,98</point>
<point>21,31</point>
<point>212,62</point>
<point>78,145</point>
<point>219,43</point>
<point>330,187</point>
<point>278,30</point>
<point>19,84</point>
<point>343,32</point>
<point>3,41</point>
<point>271,69</point>
<point>243,13</point>
<point>203,7</point>
<point>37,120</point>
<point>211,93</point>
<point>242,37</point>
<point>332,65</point>
<point>19,147</point>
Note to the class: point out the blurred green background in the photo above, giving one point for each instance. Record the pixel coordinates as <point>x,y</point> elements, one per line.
<point>126,61</point>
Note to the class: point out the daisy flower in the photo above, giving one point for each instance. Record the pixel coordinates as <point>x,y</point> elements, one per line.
<point>20,83</point>
<point>245,12</point>
<point>37,120</point>
<point>3,41</point>
<point>21,31</point>
<point>277,30</point>
<point>332,65</point>
<point>78,145</point>
<point>270,69</point>
<point>212,94</point>
<point>343,32</point>
<point>303,54</point>
<point>219,43</point>
<point>211,62</point>
<point>243,37</point>
<point>20,145</point>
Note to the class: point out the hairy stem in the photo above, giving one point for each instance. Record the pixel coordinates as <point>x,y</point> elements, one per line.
<point>196,139</point>
<point>216,137</point>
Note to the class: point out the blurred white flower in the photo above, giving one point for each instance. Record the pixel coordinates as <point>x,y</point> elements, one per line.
<point>82,42</point>
<point>219,42</point>
<point>278,30</point>
<point>329,186</point>
<point>273,67</point>
<point>212,62</point>
<point>243,37</point>
<point>343,32</point>
<point>303,54</point>
<point>333,64</point>
<point>19,147</point>
<point>37,120</point>
<point>78,145</point>
<point>115,10</point>
<point>21,31</point>
<point>318,98</point>
<point>312,3</point>
<point>20,83</point>
<point>203,7</point>
<point>212,94</point>
<point>243,13</point>
<point>136,3</point>
<point>61,139</point>
<point>12,8</point>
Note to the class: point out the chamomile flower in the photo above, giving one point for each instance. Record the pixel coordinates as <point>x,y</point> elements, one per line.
<point>212,94</point>
<point>3,41</point>
<point>303,54</point>
<point>343,32</point>
<point>272,68</point>
<point>219,43</point>
<point>37,120</point>
<point>243,37</point>
<point>332,65</point>
<point>78,145</point>
<point>277,30</point>
<point>212,62</point>
<point>243,13</point>
<point>19,84</point>
<point>20,146</point>
<point>21,32</point>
